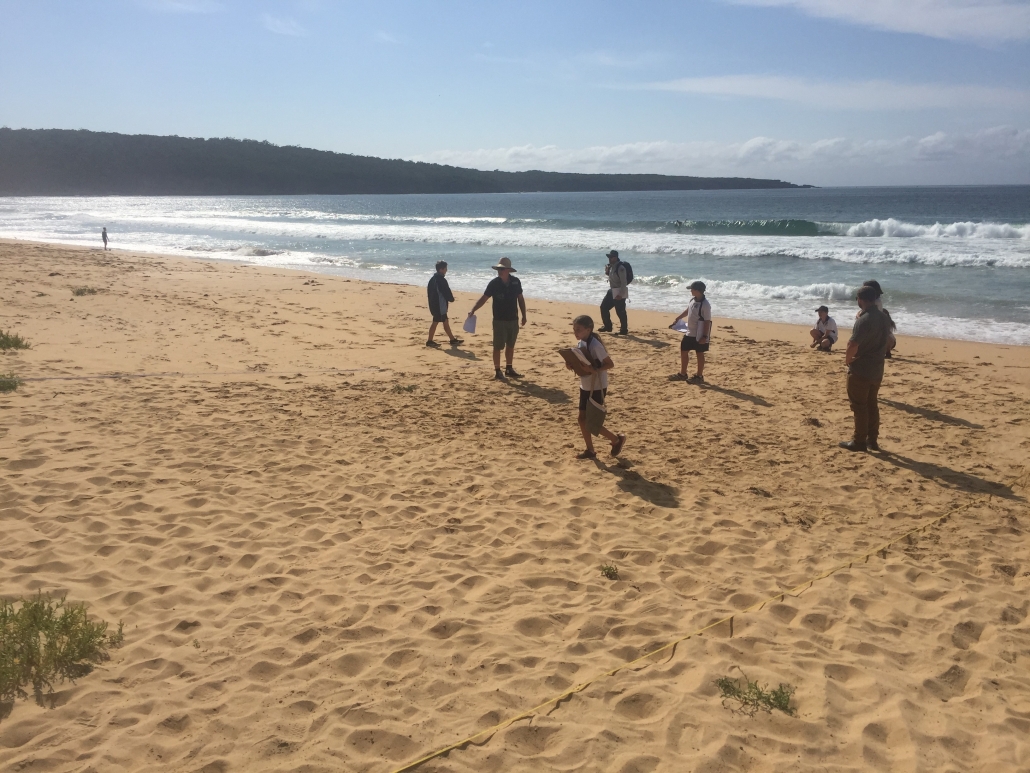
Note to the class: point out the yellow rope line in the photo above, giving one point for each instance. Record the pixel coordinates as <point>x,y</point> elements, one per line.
<point>1019,480</point>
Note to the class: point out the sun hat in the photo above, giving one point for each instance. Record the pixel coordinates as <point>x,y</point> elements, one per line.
<point>823,308</point>
<point>504,263</point>
<point>612,254</point>
<point>697,285</point>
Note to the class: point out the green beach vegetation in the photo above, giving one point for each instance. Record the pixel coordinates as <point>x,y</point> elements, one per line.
<point>12,341</point>
<point>44,641</point>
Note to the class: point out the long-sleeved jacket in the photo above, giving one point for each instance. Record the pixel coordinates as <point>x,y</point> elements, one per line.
<point>438,289</point>
<point>617,281</point>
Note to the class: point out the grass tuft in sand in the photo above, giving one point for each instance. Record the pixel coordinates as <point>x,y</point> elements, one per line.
<point>610,571</point>
<point>751,697</point>
<point>12,341</point>
<point>9,382</point>
<point>78,292</point>
<point>44,641</point>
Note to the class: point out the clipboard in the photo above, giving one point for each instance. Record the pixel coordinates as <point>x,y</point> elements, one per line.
<point>577,361</point>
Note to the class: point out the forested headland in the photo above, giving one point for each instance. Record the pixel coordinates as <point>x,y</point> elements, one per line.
<point>59,162</point>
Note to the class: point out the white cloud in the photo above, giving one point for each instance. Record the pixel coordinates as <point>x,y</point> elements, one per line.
<point>980,20</point>
<point>183,6</point>
<point>282,26</point>
<point>386,37</point>
<point>1000,154</point>
<point>849,95</point>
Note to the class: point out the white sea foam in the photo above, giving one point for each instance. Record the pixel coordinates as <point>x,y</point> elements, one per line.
<point>962,230</point>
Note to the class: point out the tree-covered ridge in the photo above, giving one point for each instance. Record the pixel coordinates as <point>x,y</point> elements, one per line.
<point>59,162</point>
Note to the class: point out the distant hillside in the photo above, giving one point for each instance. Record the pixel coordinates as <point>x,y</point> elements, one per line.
<point>58,162</point>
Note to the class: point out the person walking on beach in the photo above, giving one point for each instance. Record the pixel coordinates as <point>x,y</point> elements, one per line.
<point>506,290</point>
<point>865,355</point>
<point>699,331</point>
<point>824,334</point>
<point>103,235</point>
<point>595,386</point>
<point>617,295</point>
<point>440,296</point>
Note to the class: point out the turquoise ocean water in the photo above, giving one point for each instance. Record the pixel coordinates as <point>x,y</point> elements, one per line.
<point>954,262</point>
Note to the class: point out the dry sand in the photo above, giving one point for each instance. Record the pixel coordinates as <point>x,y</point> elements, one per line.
<point>334,549</point>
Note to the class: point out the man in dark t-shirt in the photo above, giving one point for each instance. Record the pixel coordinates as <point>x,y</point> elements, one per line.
<point>865,355</point>
<point>506,290</point>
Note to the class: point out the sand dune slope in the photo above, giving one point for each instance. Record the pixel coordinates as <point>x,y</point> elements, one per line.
<point>334,549</point>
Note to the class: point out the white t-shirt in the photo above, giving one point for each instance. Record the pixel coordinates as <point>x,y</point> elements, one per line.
<point>695,311</point>
<point>595,353</point>
<point>829,326</point>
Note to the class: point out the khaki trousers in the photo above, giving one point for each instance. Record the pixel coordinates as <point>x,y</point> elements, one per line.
<point>863,393</point>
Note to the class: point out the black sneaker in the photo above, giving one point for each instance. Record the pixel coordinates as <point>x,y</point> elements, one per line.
<point>696,379</point>
<point>851,445</point>
<point>604,330</point>
<point>622,333</point>
<point>872,445</point>
<point>432,344</point>
<point>499,375</point>
<point>510,372</point>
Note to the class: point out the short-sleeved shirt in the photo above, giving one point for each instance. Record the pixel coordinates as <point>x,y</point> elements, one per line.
<point>506,297</point>
<point>695,311</point>
<point>829,326</point>
<point>871,332</point>
<point>595,352</point>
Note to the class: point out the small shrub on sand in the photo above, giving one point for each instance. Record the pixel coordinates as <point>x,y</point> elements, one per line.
<point>12,341</point>
<point>9,382</point>
<point>44,641</point>
<point>78,292</point>
<point>398,388</point>
<point>610,571</point>
<point>751,697</point>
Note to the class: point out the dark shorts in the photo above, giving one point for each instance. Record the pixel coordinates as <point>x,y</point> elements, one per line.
<point>506,333</point>
<point>439,318</point>
<point>690,344</point>
<point>584,397</point>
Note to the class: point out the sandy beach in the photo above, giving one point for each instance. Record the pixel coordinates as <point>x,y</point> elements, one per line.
<point>335,549</point>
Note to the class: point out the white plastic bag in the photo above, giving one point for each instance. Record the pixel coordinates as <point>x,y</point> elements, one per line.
<point>470,324</point>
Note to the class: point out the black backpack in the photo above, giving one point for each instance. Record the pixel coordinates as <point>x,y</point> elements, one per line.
<point>629,271</point>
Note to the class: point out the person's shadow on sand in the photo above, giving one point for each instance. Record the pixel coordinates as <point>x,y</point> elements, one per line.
<point>632,482</point>
<point>655,342</point>
<point>462,354</point>
<point>551,395</point>
<point>950,478</point>
<point>753,399</point>
<point>929,413</point>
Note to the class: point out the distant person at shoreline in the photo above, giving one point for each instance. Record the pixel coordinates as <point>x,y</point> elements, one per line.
<point>595,386</point>
<point>824,334</point>
<point>892,341</point>
<point>506,290</point>
<point>103,235</point>
<point>440,296</point>
<point>699,331</point>
<point>618,293</point>
<point>866,352</point>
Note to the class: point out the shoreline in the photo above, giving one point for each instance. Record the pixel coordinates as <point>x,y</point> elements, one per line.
<point>922,345</point>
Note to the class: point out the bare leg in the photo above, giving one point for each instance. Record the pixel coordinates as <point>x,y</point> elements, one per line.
<point>432,330</point>
<point>497,359</point>
<point>700,363</point>
<point>684,362</point>
<point>825,344</point>
<point>816,335</point>
<point>447,329</point>
<point>509,355</point>
<point>586,434</point>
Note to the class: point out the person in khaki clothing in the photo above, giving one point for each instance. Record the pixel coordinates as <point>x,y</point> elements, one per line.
<point>866,352</point>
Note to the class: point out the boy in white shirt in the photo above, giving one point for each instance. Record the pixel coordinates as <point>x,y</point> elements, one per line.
<point>824,334</point>
<point>595,385</point>
<point>699,331</point>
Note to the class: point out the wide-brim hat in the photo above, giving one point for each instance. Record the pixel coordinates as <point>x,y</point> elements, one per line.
<point>504,263</point>
<point>823,308</point>
<point>698,285</point>
<point>612,254</point>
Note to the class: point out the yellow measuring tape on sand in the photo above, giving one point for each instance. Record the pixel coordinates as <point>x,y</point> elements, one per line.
<point>1019,480</point>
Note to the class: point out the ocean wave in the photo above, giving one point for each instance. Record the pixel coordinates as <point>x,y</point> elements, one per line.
<point>820,291</point>
<point>743,227</point>
<point>892,228</point>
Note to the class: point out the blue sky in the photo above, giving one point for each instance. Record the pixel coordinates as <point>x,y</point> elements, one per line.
<point>852,92</point>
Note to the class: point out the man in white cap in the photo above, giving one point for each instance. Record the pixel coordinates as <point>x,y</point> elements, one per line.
<point>506,290</point>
